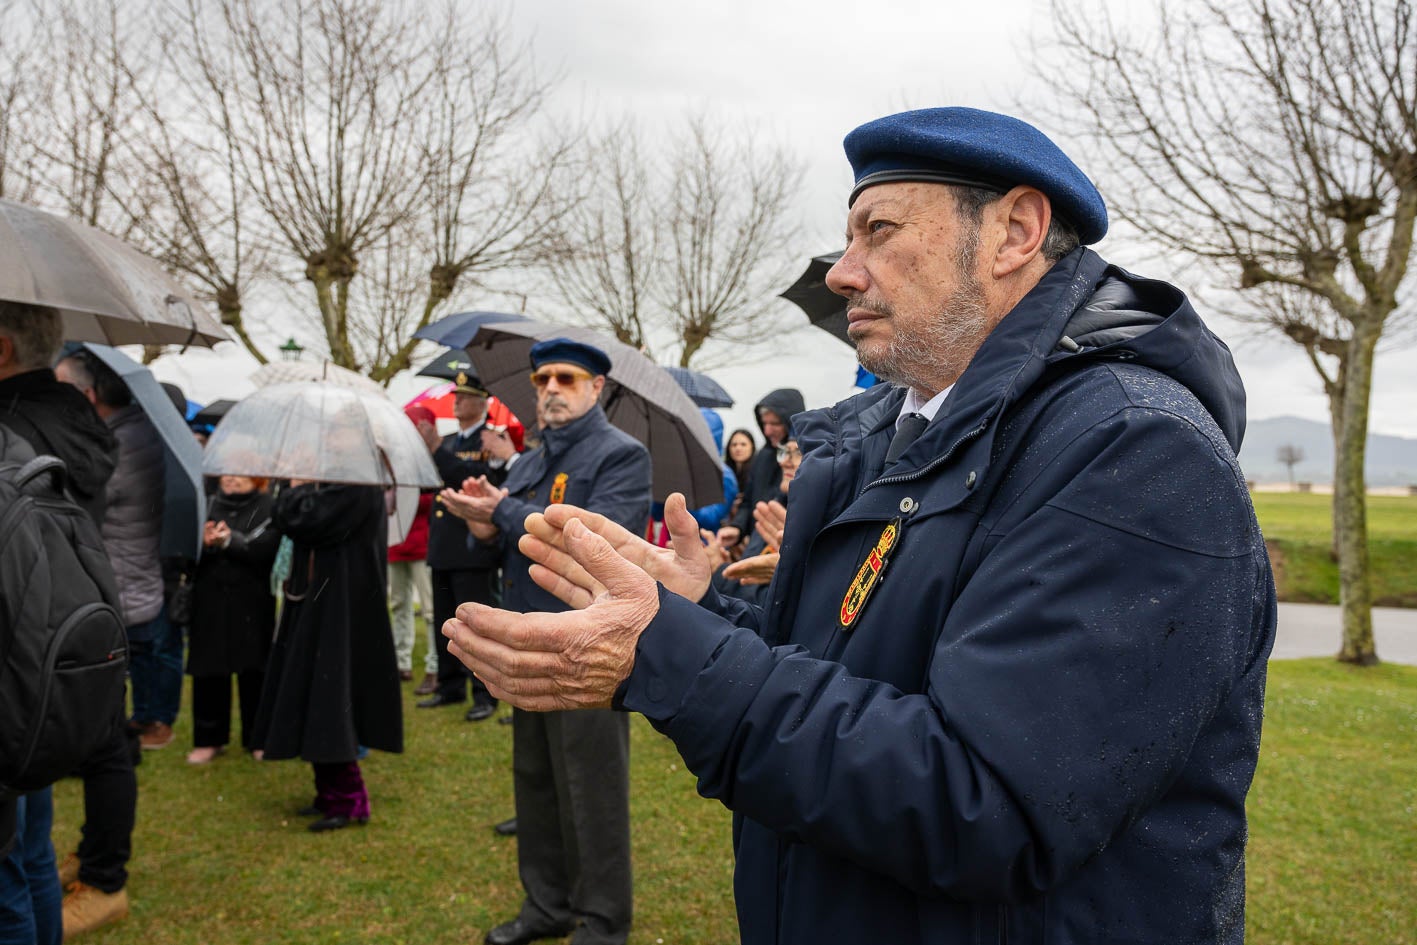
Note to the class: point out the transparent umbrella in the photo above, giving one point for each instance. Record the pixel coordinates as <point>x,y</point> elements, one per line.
<point>294,372</point>
<point>325,433</point>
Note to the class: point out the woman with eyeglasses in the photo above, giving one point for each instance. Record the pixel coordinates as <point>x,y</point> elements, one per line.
<point>748,578</point>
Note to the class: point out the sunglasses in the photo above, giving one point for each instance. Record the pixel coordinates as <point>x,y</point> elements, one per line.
<point>540,379</point>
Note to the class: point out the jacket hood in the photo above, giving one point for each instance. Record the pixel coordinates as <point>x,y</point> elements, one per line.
<point>715,425</point>
<point>786,402</point>
<point>74,431</point>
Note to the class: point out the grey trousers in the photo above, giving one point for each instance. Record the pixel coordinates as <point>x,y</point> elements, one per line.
<point>571,773</point>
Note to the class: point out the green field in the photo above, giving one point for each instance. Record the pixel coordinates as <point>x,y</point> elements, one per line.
<point>1298,529</point>
<point>219,858</point>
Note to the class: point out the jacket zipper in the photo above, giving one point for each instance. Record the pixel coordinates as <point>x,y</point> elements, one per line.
<point>917,473</point>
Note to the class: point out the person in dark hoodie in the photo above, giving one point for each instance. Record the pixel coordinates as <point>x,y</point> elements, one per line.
<point>56,419</point>
<point>774,414</point>
<point>1009,681</point>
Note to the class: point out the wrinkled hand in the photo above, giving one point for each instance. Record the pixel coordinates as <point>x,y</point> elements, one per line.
<point>758,569</point>
<point>498,443</point>
<point>429,432</point>
<point>571,660</point>
<point>683,567</point>
<point>771,521</point>
<point>209,536</point>
<point>475,502</point>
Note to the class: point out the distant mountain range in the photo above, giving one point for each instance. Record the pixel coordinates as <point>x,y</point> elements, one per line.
<point>1391,460</point>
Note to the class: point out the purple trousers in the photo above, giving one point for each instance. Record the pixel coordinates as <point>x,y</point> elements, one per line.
<point>340,792</point>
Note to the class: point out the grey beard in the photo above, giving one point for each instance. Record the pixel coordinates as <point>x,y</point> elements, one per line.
<point>917,358</point>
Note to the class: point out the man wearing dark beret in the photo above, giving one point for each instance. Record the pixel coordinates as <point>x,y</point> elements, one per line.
<point>1008,681</point>
<point>570,770</point>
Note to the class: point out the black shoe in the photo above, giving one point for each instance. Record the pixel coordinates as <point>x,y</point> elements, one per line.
<point>506,828</point>
<point>505,720</point>
<point>480,711</point>
<point>310,810</point>
<point>437,699</point>
<point>517,932</point>
<point>332,822</point>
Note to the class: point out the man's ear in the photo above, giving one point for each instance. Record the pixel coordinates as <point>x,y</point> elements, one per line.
<point>598,382</point>
<point>1021,219</point>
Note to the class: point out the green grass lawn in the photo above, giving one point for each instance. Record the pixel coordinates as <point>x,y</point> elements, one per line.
<point>1298,529</point>
<point>219,858</point>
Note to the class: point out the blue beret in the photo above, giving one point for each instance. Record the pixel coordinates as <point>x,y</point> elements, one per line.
<point>566,351</point>
<point>977,148</point>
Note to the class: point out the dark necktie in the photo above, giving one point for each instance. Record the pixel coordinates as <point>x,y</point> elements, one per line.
<point>907,431</point>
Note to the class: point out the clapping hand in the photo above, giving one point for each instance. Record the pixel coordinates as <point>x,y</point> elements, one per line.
<point>758,569</point>
<point>771,521</point>
<point>571,660</point>
<point>682,568</point>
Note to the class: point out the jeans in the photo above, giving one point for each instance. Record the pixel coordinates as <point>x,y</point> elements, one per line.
<point>30,897</point>
<point>155,664</point>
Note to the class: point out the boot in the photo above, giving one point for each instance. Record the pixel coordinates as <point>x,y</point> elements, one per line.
<point>428,686</point>
<point>87,908</point>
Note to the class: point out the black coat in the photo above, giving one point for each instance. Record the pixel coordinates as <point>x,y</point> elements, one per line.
<point>460,458</point>
<point>332,683</point>
<point>233,612</point>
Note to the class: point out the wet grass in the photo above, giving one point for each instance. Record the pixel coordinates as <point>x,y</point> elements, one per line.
<point>1298,529</point>
<point>1333,812</point>
<point>219,858</point>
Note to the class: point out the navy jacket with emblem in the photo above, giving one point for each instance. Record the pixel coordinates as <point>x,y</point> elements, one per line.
<point>1043,724</point>
<point>459,458</point>
<point>605,470</point>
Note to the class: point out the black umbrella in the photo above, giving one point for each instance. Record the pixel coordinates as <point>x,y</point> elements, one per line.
<point>824,308</point>
<point>448,365</point>
<point>184,500</point>
<point>639,397</point>
<point>702,389</point>
<point>211,414</point>
<point>456,331</point>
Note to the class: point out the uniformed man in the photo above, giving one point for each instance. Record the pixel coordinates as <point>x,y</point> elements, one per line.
<point>570,769</point>
<point>461,570</point>
<point>1010,673</point>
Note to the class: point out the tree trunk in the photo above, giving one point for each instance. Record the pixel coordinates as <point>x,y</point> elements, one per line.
<point>228,302</point>
<point>1350,503</point>
<point>331,281</point>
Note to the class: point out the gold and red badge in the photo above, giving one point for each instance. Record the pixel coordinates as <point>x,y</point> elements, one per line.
<point>868,575</point>
<point>558,488</point>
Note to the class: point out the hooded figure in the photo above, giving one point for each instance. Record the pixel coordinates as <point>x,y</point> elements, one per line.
<point>774,414</point>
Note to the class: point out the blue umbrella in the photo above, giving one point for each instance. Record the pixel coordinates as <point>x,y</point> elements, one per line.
<point>185,505</point>
<point>456,331</point>
<point>702,389</point>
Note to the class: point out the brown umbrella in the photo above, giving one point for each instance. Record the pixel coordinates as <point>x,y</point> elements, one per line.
<point>107,291</point>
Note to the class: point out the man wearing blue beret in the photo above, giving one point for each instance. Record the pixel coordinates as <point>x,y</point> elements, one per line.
<point>570,770</point>
<point>1008,682</point>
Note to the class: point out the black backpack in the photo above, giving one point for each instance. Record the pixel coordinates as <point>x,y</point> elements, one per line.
<point>63,648</point>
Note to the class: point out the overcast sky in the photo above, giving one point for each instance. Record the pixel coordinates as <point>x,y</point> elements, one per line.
<point>805,74</point>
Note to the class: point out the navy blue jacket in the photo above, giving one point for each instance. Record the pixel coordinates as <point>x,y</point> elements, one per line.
<point>1043,724</point>
<point>605,470</point>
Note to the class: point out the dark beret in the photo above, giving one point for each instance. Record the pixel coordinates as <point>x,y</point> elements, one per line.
<point>566,351</point>
<point>977,148</point>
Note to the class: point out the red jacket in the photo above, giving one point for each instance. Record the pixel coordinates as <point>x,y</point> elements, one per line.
<point>415,546</point>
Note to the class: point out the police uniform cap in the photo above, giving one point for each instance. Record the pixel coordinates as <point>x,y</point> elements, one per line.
<point>975,148</point>
<point>568,351</point>
<point>466,383</point>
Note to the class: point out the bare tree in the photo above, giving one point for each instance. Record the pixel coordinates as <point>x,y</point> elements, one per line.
<point>328,92</point>
<point>1275,142</point>
<point>491,194</point>
<point>608,246</point>
<point>23,75</point>
<point>689,242</point>
<point>1290,455</point>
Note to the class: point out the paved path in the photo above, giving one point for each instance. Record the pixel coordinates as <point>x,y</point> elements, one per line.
<point>1313,630</point>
